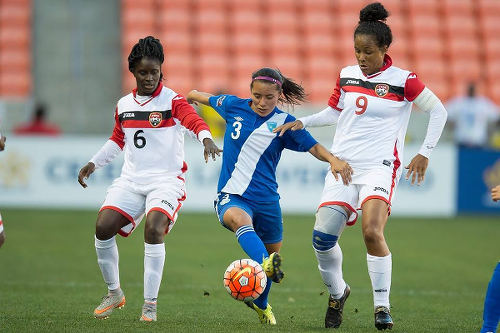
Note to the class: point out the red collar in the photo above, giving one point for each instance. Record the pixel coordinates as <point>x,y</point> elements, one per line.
<point>387,64</point>
<point>155,93</point>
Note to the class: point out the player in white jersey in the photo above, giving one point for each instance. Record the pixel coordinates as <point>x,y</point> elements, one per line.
<point>2,233</point>
<point>150,124</point>
<point>248,201</point>
<point>371,106</point>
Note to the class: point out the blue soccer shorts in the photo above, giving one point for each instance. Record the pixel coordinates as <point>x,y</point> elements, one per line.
<point>266,216</point>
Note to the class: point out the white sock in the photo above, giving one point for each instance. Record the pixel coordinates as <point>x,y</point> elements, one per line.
<point>107,258</point>
<point>330,267</point>
<point>154,259</point>
<point>380,270</point>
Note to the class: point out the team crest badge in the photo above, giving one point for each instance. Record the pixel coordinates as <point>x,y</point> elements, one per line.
<point>381,89</point>
<point>271,125</point>
<point>155,119</point>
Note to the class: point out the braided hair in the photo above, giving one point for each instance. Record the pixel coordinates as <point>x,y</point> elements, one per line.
<point>372,22</point>
<point>290,92</point>
<point>148,47</point>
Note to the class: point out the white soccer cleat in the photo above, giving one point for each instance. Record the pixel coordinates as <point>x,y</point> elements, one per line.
<point>148,311</point>
<point>108,304</point>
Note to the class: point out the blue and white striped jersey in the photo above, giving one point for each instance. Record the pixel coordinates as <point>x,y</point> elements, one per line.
<point>251,149</point>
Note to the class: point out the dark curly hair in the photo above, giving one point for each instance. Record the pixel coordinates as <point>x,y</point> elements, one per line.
<point>148,47</point>
<point>290,92</point>
<point>372,22</point>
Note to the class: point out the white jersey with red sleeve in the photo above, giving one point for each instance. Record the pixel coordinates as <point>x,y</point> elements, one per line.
<point>374,114</point>
<point>151,132</point>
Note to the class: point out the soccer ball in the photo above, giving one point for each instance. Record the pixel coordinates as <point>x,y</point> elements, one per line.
<point>245,279</point>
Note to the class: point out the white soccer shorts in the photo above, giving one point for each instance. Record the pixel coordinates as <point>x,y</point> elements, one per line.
<point>373,184</point>
<point>133,200</point>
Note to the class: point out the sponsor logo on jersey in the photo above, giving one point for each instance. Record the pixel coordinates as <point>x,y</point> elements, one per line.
<point>386,162</point>
<point>412,76</point>
<point>155,119</point>
<point>381,89</point>
<point>378,188</point>
<point>128,115</point>
<point>356,82</point>
<point>167,203</point>
<point>238,118</point>
<point>220,100</point>
<point>271,125</point>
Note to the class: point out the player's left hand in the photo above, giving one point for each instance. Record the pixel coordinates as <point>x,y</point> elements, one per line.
<point>495,193</point>
<point>416,169</point>
<point>210,149</point>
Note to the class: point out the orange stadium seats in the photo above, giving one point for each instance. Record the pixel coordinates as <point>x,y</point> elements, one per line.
<point>319,44</point>
<point>15,48</point>
<point>488,7</point>
<point>176,41</point>
<point>444,41</point>
<point>316,22</point>
<point>489,27</point>
<point>429,7</point>
<point>459,8</point>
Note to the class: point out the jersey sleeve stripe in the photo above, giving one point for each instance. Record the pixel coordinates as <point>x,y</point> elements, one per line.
<point>118,135</point>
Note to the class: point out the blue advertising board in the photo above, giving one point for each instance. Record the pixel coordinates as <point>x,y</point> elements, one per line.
<point>478,172</point>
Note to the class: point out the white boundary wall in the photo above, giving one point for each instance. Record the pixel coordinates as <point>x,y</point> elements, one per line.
<point>42,172</point>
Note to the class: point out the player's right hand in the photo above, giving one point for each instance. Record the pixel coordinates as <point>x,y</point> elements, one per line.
<point>2,142</point>
<point>85,172</point>
<point>342,168</point>
<point>294,126</point>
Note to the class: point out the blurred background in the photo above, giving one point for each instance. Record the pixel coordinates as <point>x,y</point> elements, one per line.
<point>63,66</point>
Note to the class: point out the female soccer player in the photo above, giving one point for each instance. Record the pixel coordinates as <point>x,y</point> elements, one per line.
<point>149,126</point>
<point>248,202</point>
<point>371,105</point>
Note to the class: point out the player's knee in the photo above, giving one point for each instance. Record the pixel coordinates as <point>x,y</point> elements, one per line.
<point>154,230</point>
<point>373,235</point>
<point>322,241</point>
<point>104,229</point>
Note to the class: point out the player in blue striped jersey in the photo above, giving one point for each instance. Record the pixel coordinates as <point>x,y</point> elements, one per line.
<point>248,201</point>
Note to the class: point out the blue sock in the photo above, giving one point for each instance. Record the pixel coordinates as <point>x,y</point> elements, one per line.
<point>261,302</point>
<point>491,313</point>
<point>254,247</point>
<point>251,243</point>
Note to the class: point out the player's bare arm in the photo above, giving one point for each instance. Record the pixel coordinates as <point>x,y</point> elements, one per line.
<point>294,126</point>
<point>210,149</point>
<point>495,193</point>
<point>195,97</point>
<point>417,168</point>
<point>338,166</point>
<point>85,173</point>
<point>2,142</point>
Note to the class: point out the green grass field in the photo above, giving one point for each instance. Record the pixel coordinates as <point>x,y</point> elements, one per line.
<point>50,281</point>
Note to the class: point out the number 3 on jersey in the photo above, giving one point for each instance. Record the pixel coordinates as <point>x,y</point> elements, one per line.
<point>237,128</point>
<point>361,104</point>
